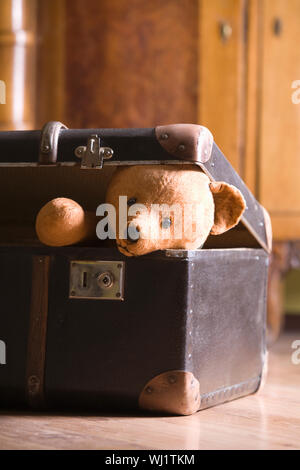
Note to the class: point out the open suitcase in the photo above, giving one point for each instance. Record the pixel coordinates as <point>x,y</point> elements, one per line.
<point>178,330</point>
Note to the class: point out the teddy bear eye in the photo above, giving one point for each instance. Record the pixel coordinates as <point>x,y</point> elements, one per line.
<point>166,222</point>
<point>131,201</point>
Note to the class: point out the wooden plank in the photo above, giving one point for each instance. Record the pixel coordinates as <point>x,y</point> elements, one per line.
<point>221,75</point>
<point>279,162</point>
<point>37,331</point>
<point>269,420</point>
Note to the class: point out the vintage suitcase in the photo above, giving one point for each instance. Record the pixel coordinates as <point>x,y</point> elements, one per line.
<point>177,331</point>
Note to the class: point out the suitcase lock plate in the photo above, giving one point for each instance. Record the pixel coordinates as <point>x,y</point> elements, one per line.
<point>97,280</point>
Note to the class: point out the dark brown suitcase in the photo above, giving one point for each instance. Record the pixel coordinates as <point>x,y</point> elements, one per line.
<point>178,330</point>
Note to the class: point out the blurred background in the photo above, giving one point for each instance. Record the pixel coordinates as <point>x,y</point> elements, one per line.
<point>231,65</point>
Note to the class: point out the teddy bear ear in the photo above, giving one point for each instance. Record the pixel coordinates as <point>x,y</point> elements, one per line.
<point>229,206</point>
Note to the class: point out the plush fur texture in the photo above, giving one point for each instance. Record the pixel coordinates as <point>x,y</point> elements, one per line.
<point>174,184</point>
<point>63,222</point>
<point>212,208</point>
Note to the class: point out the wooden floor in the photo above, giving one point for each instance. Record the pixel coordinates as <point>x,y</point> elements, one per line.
<point>270,420</point>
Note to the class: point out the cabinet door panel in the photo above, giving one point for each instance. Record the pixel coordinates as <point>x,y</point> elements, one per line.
<point>279,144</point>
<point>221,65</point>
<point>134,62</point>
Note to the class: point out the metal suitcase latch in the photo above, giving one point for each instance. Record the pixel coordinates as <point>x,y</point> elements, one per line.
<point>93,154</point>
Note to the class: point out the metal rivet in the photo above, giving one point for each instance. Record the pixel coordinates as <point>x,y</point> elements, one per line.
<point>261,224</point>
<point>118,294</point>
<point>172,379</point>
<point>212,164</point>
<point>107,152</point>
<point>45,148</point>
<point>33,384</point>
<point>189,356</point>
<point>119,266</point>
<point>164,136</point>
<point>225,30</point>
<point>72,292</point>
<point>181,147</point>
<point>191,311</point>
<point>149,390</point>
<point>79,151</point>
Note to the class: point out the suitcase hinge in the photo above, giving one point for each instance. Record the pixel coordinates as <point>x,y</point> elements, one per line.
<point>93,154</point>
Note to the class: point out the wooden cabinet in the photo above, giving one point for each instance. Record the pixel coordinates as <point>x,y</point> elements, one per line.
<point>227,64</point>
<point>246,98</point>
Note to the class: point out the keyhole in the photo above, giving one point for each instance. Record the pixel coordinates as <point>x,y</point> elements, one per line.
<point>105,280</point>
<point>84,279</point>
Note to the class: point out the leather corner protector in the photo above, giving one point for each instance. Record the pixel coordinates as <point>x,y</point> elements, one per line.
<point>173,392</point>
<point>189,142</point>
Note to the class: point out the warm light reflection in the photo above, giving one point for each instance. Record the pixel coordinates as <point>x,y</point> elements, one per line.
<point>17,14</point>
<point>18,62</point>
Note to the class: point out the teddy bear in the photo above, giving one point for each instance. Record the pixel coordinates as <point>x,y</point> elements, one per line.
<point>173,206</point>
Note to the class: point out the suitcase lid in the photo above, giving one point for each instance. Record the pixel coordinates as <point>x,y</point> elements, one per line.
<point>255,218</point>
<point>214,164</point>
<point>95,148</point>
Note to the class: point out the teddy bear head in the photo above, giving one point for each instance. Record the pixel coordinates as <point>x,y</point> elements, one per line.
<point>170,206</point>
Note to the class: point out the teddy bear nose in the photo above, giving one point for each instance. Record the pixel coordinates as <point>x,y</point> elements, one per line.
<point>133,233</point>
